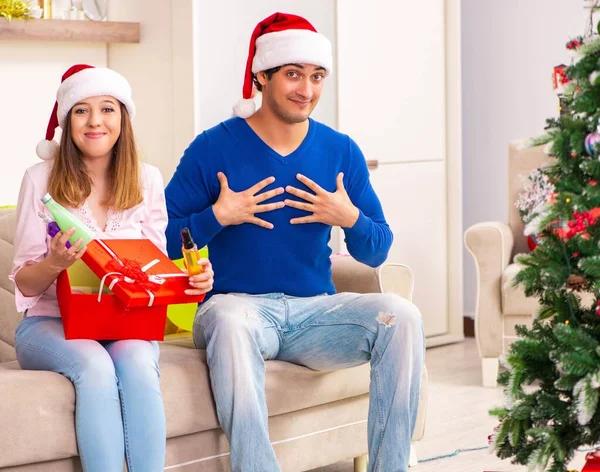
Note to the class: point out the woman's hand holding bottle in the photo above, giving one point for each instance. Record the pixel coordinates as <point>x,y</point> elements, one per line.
<point>62,257</point>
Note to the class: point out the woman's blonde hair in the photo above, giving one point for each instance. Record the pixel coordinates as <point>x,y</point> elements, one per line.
<point>69,183</point>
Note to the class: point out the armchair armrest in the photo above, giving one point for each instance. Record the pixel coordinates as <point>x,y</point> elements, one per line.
<point>490,244</point>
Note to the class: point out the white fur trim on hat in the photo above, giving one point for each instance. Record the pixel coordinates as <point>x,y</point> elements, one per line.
<point>244,108</point>
<point>93,82</point>
<point>47,150</point>
<point>290,47</point>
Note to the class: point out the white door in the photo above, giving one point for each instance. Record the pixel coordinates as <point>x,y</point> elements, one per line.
<point>392,84</point>
<point>413,197</point>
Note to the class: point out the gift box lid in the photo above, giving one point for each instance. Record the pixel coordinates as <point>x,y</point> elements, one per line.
<point>138,273</point>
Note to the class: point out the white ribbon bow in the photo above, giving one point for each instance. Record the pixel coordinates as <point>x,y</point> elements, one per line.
<point>118,276</point>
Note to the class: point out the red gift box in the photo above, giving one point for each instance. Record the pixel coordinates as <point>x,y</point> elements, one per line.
<point>592,463</point>
<point>141,282</point>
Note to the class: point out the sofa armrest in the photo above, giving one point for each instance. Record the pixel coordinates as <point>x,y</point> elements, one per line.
<point>397,278</point>
<point>352,276</point>
<point>490,244</point>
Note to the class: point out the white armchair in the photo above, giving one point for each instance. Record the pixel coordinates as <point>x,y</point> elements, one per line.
<point>493,245</point>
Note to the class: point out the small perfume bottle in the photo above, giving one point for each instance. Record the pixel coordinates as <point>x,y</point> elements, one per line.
<point>52,227</point>
<point>190,253</point>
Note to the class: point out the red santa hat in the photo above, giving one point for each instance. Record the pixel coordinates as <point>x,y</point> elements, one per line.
<point>79,82</point>
<point>278,40</point>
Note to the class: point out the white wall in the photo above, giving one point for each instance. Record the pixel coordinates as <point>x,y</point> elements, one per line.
<point>509,49</point>
<point>149,68</point>
<point>30,73</point>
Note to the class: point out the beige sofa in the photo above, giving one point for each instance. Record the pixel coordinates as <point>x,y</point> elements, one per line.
<point>493,245</point>
<point>316,418</point>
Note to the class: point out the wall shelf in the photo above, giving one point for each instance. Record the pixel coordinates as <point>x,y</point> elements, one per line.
<point>70,30</point>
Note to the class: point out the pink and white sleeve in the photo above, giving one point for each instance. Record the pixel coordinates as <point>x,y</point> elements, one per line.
<point>30,237</point>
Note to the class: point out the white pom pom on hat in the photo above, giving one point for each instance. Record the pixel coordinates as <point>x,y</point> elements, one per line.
<point>79,82</point>
<point>47,149</point>
<point>245,108</point>
<point>281,39</point>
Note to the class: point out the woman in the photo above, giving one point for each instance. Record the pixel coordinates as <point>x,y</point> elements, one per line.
<point>96,174</point>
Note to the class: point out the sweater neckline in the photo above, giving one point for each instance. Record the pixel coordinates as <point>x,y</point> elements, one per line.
<point>294,155</point>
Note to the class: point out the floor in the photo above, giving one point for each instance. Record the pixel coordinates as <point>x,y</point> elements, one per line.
<point>457,416</point>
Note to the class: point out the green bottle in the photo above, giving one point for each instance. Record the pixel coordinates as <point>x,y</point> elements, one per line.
<point>67,220</point>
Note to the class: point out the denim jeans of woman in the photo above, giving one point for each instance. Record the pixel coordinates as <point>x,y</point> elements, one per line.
<point>240,332</point>
<point>119,412</point>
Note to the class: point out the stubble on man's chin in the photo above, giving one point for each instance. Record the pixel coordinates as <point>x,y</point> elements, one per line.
<point>289,118</point>
<point>294,119</point>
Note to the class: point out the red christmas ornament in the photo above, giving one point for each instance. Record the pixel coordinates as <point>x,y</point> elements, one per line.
<point>531,243</point>
<point>559,77</point>
<point>578,225</point>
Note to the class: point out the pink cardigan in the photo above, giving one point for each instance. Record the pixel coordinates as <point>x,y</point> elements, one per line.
<point>146,220</point>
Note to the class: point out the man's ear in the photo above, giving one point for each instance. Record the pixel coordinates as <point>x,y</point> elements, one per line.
<point>262,78</point>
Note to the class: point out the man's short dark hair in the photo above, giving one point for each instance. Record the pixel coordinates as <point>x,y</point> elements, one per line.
<point>269,73</point>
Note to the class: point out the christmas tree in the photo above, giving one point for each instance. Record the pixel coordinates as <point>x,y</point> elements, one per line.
<point>552,372</point>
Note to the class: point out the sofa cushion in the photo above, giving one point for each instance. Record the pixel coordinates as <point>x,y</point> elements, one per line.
<point>188,398</point>
<point>8,324</point>
<point>10,318</point>
<point>8,222</point>
<point>36,414</point>
<point>37,408</point>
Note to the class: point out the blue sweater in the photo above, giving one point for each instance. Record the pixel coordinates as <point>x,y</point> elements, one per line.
<point>290,259</point>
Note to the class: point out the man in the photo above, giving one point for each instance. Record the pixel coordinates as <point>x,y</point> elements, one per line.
<point>263,190</point>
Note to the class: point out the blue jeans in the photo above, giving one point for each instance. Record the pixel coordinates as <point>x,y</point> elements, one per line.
<point>119,412</point>
<point>240,332</point>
